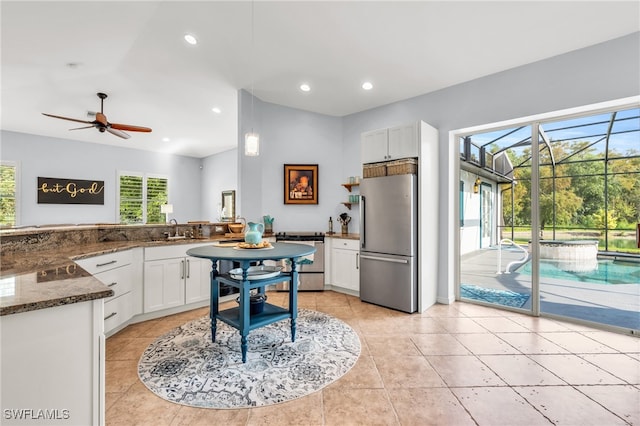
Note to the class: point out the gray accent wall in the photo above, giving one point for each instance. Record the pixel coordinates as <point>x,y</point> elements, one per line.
<point>290,136</point>
<point>63,158</point>
<point>219,173</point>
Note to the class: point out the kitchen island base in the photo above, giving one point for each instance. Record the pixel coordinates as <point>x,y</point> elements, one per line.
<point>240,317</point>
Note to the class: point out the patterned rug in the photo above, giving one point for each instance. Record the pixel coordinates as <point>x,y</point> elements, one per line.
<point>490,295</point>
<point>184,366</point>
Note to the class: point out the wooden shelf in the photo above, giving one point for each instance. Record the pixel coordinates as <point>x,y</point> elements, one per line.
<point>348,204</point>
<point>350,185</point>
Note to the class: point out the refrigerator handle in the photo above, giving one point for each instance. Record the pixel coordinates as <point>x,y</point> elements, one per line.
<point>384,259</point>
<point>363,219</point>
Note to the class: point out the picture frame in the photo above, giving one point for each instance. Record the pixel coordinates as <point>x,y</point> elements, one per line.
<point>301,184</point>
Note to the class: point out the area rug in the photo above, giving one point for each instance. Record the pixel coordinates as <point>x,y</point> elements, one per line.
<point>490,295</point>
<point>184,366</point>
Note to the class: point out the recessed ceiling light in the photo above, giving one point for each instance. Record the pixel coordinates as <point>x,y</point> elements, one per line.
<point>367,85</point>
<point>305,87</point>
<point>166,140</point>
<point>191,39</point>
<point>216,110</point>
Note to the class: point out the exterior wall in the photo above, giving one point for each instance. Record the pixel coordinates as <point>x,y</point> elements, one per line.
<point>470,232</point>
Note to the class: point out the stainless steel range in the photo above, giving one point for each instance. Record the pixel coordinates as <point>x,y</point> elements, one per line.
<point>311,270</point>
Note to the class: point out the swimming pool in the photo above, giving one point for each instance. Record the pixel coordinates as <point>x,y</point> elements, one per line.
<point>609,271</point>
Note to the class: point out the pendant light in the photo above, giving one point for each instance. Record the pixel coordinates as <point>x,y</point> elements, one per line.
<point>252,139</point>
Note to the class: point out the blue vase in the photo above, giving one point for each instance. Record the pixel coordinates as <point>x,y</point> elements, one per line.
<point>254,234</point>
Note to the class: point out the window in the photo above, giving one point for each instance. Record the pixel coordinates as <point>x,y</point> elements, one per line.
<point>8,193</point>
<point>140,197</point>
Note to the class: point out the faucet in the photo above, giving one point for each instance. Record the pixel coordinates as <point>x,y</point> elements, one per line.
<point>175,227</point>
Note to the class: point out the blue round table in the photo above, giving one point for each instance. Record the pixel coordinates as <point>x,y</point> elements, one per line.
<point>240,317</point>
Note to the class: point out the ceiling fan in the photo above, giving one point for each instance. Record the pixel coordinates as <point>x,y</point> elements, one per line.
<point>102,124</point>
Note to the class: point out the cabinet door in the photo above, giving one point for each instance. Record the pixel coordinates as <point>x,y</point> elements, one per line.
<point>164,284</point>
<point>403,141</point>
<point>374,146</point>
<point>345,271</point>
<point>198,283</point>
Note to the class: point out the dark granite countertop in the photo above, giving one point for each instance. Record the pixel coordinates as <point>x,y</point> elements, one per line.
<point>47,278</point>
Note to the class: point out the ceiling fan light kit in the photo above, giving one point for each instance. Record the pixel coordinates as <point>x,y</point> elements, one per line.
<point>102,124</point>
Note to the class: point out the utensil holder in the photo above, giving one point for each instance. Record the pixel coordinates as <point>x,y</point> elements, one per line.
<point>345,228</point>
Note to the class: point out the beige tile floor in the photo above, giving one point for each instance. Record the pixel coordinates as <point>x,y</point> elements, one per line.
<point>459,364</point>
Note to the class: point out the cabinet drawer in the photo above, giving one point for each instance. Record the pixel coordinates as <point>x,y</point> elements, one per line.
<point>120,280</point>
<point>117,311</point>
<point>169,252</point>
<point>105,262</point>
<point>346,244</point>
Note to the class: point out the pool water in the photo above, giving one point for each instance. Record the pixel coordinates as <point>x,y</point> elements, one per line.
<point>608,272</point>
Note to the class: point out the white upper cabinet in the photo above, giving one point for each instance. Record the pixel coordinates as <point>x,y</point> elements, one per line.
<point>403,141</point>
<point>375,146</point>
<point>390,144</point>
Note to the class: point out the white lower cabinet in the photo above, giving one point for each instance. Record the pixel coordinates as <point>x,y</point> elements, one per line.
<point>116,271</point>
<point>172,279</point>
<point>345,264</point>
<point>163,284</point>
<point>198,280</point>
<point>53,366</point>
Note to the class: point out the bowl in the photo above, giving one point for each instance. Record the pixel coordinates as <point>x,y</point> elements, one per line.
<point>236,228</point>
<point>256,303</point>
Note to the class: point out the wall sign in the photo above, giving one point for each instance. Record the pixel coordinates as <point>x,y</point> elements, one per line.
<point>70,191</point>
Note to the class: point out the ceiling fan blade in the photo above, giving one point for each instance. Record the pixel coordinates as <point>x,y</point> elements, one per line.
<point>129,127</point>
<point>102,119</point>
<point>67,118</point>
<point>79,128</point>
<point>118,133</point>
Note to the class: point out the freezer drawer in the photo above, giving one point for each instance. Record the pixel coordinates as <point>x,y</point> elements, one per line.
<point>389,281</point>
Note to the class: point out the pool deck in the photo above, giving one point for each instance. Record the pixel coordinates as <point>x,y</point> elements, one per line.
<point>617,305</point>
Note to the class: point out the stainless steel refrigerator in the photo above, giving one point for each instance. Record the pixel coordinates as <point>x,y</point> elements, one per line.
<point>389,241</point>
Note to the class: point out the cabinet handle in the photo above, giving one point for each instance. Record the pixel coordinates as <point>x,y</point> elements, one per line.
<point>112,284</point>
<point>357,260</point>
<point>182,269</point>
<point>111,315</point>
<point>98,265</point>
<point>188,269</point>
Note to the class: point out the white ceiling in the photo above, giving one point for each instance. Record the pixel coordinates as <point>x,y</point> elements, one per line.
<point>134,51</point>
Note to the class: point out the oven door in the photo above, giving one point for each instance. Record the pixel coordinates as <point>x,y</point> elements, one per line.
<point>313,263</point>
<point>310,272</point>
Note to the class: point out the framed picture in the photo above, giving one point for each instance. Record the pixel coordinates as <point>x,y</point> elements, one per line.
<point>301,184</point>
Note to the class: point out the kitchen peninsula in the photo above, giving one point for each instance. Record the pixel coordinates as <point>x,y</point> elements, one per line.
<point>53,287</point>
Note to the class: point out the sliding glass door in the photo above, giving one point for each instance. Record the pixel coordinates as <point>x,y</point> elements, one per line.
<point>494,228</point>
<point>551,226</point>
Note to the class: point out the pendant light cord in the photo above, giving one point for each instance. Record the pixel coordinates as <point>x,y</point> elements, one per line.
<point>253,56</point>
